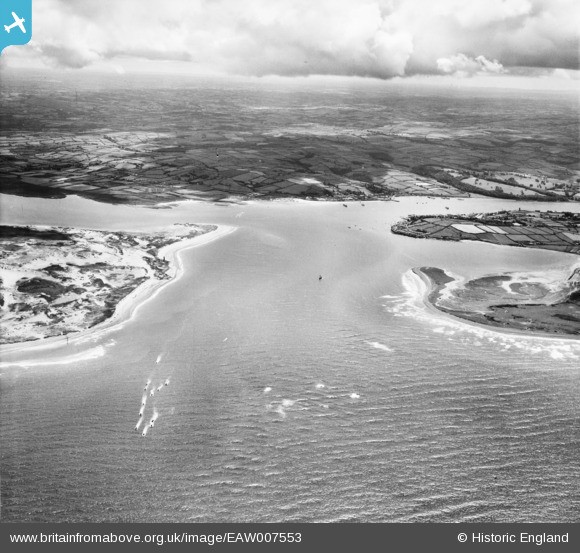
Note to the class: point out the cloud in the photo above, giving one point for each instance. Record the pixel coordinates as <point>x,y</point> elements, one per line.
<point>488,66</point>
<point>561,74</point>
<point>378,38</point>
<point>464,66</point>
<point>476,14</point>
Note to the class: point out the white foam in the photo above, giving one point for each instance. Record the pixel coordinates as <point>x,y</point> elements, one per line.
<point>159,357</point>
<point>378,345</point>
<point>411,304</point>
<point>267,390</point>
<point>320,385</point>
<point>442,330</point>
<point>87,355</point>
<point>288,402</point>
<point>354,395</point>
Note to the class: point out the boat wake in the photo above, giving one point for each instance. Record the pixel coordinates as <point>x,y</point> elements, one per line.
<point>149,393</point>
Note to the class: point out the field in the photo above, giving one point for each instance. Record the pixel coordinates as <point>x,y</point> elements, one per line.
<point>142,139</point>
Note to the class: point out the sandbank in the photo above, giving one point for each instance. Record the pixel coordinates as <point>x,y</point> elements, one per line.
<point>434,284</point>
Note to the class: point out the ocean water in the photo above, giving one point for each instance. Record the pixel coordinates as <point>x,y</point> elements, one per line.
<point>292,398</point>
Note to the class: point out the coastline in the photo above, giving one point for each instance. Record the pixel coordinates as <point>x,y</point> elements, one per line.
<point>431,291</point>
<point>126,309</point>
<point>547,230</point>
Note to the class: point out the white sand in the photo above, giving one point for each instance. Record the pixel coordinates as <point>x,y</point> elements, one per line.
<point>130,304</point>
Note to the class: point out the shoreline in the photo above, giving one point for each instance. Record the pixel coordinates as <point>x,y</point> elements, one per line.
<point>126,309</point>
<point>433,288</point>
<point>547,230</point>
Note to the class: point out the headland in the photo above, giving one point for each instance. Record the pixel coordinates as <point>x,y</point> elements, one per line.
<point>58,281</point>
<point>535,302</point>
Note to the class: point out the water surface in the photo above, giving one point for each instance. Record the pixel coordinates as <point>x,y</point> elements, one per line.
<point>293,398</point>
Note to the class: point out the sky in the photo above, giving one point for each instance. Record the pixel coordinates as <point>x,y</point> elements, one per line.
<point>385,39</point>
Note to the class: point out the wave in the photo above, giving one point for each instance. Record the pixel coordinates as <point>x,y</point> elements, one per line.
<point>88,355</point>
<point>412,303</point>
<point>378,345</point>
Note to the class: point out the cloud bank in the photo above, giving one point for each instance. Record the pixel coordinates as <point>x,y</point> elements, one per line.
<point>377,38</point>
<point>461,65</point>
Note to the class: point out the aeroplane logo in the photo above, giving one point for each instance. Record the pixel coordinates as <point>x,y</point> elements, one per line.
<point>16,22</point>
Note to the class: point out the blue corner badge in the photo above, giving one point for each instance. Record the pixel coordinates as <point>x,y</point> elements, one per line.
<point>15,22</point>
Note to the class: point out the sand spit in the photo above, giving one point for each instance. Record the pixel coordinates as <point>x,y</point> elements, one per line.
<point>481,302</point>
<point>101,279</point>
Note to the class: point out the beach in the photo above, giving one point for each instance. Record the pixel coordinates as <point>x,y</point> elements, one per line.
<point>551,311</point>
<point>144,289</point>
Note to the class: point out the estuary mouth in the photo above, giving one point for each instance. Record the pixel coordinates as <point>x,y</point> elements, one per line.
<point>533,303</point>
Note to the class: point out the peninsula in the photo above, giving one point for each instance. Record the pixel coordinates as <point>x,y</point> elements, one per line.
<point>549,230</point>
<point>538,303</point>
<point>56,281</point>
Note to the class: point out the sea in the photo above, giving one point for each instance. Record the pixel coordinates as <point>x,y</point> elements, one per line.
<point>290,397</point>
